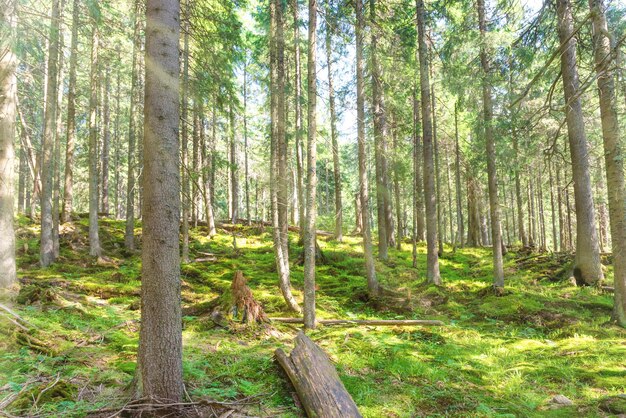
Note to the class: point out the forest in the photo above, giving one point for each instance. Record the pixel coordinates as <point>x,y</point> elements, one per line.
<point>322,208</point>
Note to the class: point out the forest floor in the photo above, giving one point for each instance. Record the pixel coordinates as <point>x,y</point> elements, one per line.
<point>496,356</point>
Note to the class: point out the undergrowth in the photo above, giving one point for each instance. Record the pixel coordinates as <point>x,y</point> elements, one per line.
<point>496,356</point>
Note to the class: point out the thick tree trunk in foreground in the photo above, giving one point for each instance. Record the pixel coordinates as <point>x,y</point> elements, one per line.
<point>94,239</point>
<point>129,235</point>
<point>432,271</point>
<point>315,379</point>
<point>8,96</point>
<point>46,253</point>
<point>277,113</point>
<point>587,269</point>
<point>311,183</point>
<point>613,154</point>
<point>370,268</point>
<point>160,342</point>
<point>71,118</point>
<point>494,208</point>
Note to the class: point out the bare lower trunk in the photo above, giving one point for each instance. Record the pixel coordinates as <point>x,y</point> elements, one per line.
<point>457,172</point>
<point>8,96</point>
<point>160,338</point>
<point>432,271</point>
<point>56,177</point>
<point>587,268</point>
<point>234,168</point>
<point>614,156</point>
<point>298,111</point>
<point>440,232</point>
<point>106,143</point>
<point>185,198</point>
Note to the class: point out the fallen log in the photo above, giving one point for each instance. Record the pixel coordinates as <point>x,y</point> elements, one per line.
<point>376,322</point>
<point>315,379</point>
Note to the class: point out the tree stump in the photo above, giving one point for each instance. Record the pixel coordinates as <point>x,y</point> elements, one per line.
<point>315,379</point>
<point>244,302</point>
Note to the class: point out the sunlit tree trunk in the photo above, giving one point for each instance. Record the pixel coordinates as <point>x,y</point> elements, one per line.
<point>370,270</point>
<point>234,166</point>
<point>613,154</point>
<point>432,265</point>
<point>160,338</point>
<point>587,267</point>
<point>56,166</point>
<point>245,141</point>
<point>8,96</point>
<point>437,174</point>
<point>47,241</point>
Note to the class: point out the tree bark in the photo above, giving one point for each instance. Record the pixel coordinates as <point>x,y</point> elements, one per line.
<point>432,271</point>
<point>496,231</point>
<point>56,166</point>
<point>245,141</point>
<point>370,269</point>
<point>129,234</point>
<point>311,184</point>
<point>587,262</point>
<point>440,224</point>
<point>46,254</point>
<point>316,381</point>
<point>613,154</point>
<point>8,96</point>
<point>160,339</point>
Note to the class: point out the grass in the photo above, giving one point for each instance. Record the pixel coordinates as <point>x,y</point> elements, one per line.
<point>496,356</point>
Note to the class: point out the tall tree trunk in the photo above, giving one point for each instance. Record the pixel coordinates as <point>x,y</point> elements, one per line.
<point>129,235</point>
<point>195,150</point>
<point>457,173</point>
<point>380,137</point>
<point>432,271</point>
<point>160,338</point>
<point>47,240</point>
<point>559,198</point>
<point>94,238</point>
<point>234,166</point>
<point>587,268</point>
<point>56,177</point>
<point>21,181</point>
<point>613,154</point>
<point>311,183</point>
<point>496,231</point>
<point>185,198</point>
<point>245,141</point>
<point>440,223</point>
<point>277,111</point>
<point>209,169</point>
<point>116,141</point>
<point>418,219</point>
<point>555,238</point>
<point>298,109</point>
<point>8,96</point>
<point>106,141</point>
<point>333,131</point>
<point>370,268</point>
<point>396,185</point>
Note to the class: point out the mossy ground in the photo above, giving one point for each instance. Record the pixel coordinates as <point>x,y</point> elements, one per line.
<point>496,356</point>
